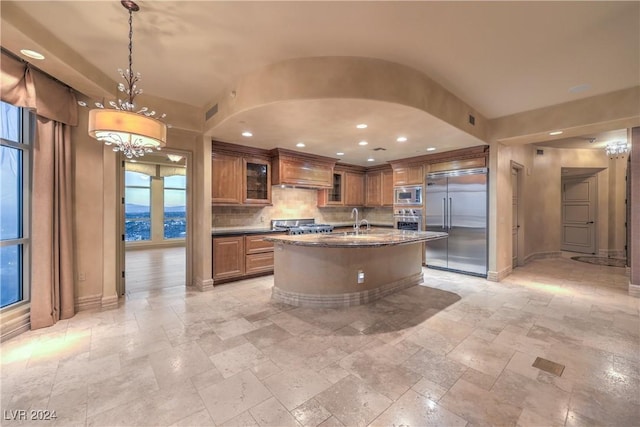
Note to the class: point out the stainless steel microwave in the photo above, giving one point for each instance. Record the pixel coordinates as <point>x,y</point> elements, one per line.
<point>408,196</point>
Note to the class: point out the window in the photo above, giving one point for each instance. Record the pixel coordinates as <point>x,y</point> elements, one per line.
<point>175,202</point>
<point>15,145</point>
<point>155,201</point>
<point>137,208</point>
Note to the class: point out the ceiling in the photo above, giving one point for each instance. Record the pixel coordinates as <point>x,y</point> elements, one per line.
<point>588,141</point>
<point>500,58</point>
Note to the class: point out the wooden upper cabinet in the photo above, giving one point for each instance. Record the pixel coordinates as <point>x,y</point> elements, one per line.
<point>379,188</point>
<point>256,182</point>
<point>408,175</point>
<point>387,188</point>
<point>301,169</point>
<point>226,179</point>
<point>374,189</point>
<point>354,189</point>
<point>333,196</point>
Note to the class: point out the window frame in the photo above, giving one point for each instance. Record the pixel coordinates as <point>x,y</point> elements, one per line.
<point>26,126</point>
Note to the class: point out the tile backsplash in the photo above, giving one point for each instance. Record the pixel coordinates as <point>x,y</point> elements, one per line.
<point>291,203</point>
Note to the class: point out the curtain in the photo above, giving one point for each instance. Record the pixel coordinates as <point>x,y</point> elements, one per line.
<point>52,253</point>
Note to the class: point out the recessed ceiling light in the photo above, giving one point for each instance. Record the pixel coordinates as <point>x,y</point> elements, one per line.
<point>340,154</point>
<point>300,144</point>
<point>371,159</point>
<point>361,126</point>
<point>431,149</point>
<point>558,132</point>
<point>401,139</point>
<point>247,134</point>
<point>32,54</point>
<point>362,143</point>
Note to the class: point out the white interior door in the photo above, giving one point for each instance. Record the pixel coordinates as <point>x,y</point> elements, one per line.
<point>514,217</point>
<point>579,214</point>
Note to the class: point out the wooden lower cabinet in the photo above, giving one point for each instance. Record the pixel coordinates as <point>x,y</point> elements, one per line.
<point>259,263</point>
<point>228,257</point>
<point>237,257</point>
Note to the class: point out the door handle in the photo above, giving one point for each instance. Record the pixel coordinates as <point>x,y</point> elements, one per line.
<point>590,222</point>
<point>444,212</point>
<point>450,209</point>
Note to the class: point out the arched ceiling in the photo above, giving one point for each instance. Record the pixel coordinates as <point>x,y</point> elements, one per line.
<point>500,58</point>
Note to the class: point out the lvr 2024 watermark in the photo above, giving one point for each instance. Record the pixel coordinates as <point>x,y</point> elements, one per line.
<point>28,415</point>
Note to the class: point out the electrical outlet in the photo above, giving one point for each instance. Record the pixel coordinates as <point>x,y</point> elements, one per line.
<point>360,276</point>
<point>81,276</point>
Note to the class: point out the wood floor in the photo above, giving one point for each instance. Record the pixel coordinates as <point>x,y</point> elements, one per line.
<point>150,269</point>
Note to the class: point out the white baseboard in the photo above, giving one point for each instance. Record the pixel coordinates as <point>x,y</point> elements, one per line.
<point>203,284</point>
<point>542,255</point>
<point>496,276</point>
<point>109,302</point>
<point>634,290</point>
<point>88,302</point>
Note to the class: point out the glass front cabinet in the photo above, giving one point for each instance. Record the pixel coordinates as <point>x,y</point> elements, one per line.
<point>257,182</point>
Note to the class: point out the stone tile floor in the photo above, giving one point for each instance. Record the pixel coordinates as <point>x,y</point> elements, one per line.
<point>458,351</point>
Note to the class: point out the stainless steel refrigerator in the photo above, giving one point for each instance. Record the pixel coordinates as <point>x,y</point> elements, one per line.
<point>456,203</point>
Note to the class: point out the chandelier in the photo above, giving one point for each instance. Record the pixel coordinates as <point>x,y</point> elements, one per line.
<point>128,129</point>
<point>617,148</point>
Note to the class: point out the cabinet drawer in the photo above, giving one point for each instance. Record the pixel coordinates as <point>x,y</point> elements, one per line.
<point>256,244</point>
<point>259,263</point>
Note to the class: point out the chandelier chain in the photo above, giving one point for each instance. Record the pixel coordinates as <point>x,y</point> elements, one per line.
<point>131,57</point>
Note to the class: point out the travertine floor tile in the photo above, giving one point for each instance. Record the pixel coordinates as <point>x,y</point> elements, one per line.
<point>457,348</point>
<point>416,410</point>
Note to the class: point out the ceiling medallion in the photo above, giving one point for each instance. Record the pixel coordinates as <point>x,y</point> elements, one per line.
<point>132,132</point>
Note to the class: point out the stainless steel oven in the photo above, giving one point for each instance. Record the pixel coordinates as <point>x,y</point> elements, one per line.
<point>408,219</point>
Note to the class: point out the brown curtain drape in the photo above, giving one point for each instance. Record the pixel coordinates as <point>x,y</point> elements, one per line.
<point>52,252</point>
<point>52,261</point>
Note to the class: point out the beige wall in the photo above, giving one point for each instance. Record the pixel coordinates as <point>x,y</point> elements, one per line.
<point>541,200</point>
<point>634,221</point>
<point>289,203</point>
<point>96,212</point>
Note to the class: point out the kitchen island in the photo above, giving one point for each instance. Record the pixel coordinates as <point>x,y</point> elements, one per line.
<point>345,269</point>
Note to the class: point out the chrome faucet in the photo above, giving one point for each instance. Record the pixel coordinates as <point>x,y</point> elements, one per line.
<point>364,221</point>
<point>356,224</point>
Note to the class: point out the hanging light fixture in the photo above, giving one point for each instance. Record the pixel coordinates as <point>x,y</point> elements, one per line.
<point>617,148</point>
<point>132,132</point>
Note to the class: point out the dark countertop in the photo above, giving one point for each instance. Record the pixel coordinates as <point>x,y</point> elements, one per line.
<point>349,240</point>
<point>240,231</point>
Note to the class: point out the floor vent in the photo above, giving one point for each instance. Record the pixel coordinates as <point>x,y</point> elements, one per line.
<point>548,366</point>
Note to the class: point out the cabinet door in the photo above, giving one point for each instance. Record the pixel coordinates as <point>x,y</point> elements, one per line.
<point>374,190</point>
<point>226,183</point>
<point>257,182</point>
<point>408,175</point>
<point>387,188</point>
<point>354,189</point>
<point>259,263</point>
<point>228,257</point>
<point>335,195</point>
<point>256,244</point>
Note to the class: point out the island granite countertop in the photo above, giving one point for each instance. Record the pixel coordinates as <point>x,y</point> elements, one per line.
<point>363,239</point>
